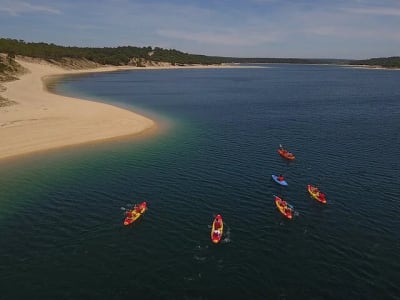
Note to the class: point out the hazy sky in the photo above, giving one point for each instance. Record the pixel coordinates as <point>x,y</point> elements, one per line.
<point>248,28</point>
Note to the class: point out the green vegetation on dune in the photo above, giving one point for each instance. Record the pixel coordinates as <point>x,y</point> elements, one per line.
<point>6,64</point>
<point>141,56</point>
<point>105,56</point>
<point>9,67</point>
<point>131,55</point>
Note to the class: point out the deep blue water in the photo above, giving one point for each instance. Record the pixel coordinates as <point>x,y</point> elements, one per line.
<point>60,212</point>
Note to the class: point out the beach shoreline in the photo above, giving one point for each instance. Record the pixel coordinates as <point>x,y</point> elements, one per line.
<point>41,120</point>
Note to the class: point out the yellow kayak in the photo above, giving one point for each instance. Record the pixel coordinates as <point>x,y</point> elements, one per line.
<point>217,229</point>
<point>316,193</point>
<point>135,213</point>
<point>285,208</point>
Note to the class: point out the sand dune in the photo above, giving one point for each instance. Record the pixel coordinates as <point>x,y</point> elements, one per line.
<point>42,120</point>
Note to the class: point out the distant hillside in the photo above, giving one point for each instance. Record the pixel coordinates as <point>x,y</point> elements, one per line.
<point>127,55</point>
<point>386,62</point>
<point>267,60</point>
<point>145,56</point>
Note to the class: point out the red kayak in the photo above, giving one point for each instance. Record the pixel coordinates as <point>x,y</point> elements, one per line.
<point>316,193</point>
<point>135,213</point>
<point>217,229</point>
<point>286,154</point>
<point>285,208</point>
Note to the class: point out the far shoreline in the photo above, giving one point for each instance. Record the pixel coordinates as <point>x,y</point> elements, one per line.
<point>370,67</point>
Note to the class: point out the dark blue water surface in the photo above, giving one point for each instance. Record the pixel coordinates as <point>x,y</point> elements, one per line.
<point>60,212</point>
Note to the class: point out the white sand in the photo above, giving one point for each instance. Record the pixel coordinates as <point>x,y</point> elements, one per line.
<point>42,120</point>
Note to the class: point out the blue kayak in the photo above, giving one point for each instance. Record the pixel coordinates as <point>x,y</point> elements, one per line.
<point>283,182</point>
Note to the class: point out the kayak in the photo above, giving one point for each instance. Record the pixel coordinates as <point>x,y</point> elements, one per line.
<point>217,229</point>
<point>316,193</point>
<point>285,208</point>
<point>286,154</point>
<point>283,182</point>
<point>135,213</point>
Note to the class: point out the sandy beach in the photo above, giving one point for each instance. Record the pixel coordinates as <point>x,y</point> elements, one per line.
<point>41,120</point>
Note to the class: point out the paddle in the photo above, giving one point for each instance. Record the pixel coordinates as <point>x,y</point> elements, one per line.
<point>287,204</point>
<point>126,209</point>
<point>128,205</point>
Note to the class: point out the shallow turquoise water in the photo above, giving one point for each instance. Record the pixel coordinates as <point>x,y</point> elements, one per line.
<point>60,212</point>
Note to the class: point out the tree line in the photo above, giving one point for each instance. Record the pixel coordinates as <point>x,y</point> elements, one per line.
<point>105,56</point>
<point>125,54</point>
<point>135,55</point>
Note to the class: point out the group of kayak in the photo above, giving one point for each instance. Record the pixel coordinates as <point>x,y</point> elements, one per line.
<point>285,208</point>
<point>132,215</point>
<point>217,227</point>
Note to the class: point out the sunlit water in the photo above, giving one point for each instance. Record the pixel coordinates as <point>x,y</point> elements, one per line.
<point>61,232</point>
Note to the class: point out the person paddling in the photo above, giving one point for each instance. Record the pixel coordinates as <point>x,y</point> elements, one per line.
<point>217,224</point>
<point>281,178</point>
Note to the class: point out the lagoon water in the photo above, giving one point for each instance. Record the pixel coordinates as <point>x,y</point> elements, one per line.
<point>61,232</point>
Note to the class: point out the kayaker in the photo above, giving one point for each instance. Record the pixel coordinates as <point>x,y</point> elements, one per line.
<point>129,214</point>
<point>137,209</point>
<point>217,224</point>
<point>280,177</point>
